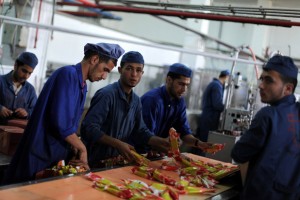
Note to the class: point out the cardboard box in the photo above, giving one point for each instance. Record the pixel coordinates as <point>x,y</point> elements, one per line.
<point>10,137</point>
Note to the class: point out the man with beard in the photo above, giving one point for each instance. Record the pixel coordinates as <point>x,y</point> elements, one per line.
<point>164,107</point>
<point>17,96</point>
<point>50,135</point>
<point>271,146</point>
<point>115,115</point>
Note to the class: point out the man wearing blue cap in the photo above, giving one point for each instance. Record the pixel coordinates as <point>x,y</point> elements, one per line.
<point>17,96</point>
<point>212,106</point>
<point>115,115</point>
<point>271,146</point>
<point>50,135</point>
<point>164,107</point>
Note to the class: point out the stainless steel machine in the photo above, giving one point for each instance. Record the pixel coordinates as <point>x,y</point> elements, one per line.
<point>241,104</point>
<point>236,119</point>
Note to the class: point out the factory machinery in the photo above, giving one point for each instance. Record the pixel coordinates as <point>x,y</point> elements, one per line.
<point>235,120</point>
<point>241,101</point>
<point>241,104</point>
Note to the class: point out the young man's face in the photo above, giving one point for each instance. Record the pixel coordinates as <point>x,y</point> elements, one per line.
<point>99,70</point>
<point>22,73</point>
<point>272,88</point>
<point>131,74</point>
<point>177,87</point>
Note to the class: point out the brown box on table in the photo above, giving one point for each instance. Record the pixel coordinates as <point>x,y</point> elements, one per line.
<point>10,137</point>
<point>22,123</point>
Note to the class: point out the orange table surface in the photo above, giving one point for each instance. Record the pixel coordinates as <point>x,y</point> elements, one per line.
<point>78,187</point>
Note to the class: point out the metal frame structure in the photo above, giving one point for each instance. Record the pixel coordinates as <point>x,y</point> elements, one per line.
<point>237,14</point>
<point>234,10</point>
<point>21,22</point>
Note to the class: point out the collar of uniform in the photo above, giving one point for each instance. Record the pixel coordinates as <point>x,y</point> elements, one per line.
<point>216,79</point>
<point>80,77</point>
<point>122,93</point>
<point>289,99</point>
<point>9,79</point>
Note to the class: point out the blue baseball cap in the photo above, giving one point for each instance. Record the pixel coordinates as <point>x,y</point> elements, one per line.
<point>180,69</point>
<point>29,59</point>
<point>284,65</point>
<point>133,57</point>
<point>225,73</point>
<point>107,49</point>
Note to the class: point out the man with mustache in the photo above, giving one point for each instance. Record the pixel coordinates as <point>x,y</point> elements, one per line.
<point>271,146</point>
<point>17,96</point>
<point>115,115</point>
<point>50,135</point>
<point>164,107</point>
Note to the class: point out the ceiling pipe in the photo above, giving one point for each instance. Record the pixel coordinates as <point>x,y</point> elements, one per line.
<point>80,13</point>
<point>91,14</point>
<point>183,14</point>
<point>21,22</point>
<point>101,13</point>
<point>235,10</point>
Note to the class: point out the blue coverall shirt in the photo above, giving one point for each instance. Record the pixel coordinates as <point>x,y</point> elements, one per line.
<point>212,106</point>
<point>26,97</point>
<point>272,148</point>
<point>161,113</point>
<point>111,114</point>
<point>56,116</point>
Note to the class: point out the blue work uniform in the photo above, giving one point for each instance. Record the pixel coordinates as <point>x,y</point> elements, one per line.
<point>161,112</point>
<point>272,148</point>
<point>26,97</point>
<point>212,106</point>
<point>55,117</point>
<point>110,113</point>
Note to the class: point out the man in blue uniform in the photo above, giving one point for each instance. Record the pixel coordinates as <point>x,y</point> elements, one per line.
<point>17,96</point>
<point>212,106</point>
<point>164,107</point>
<point>271,146</point>
<point>51,130</point>
<point>115,116</point>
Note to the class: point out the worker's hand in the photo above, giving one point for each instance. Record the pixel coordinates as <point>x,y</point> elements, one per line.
<point>125,150</point>
<point>159,144</point>
<point>80,160</point>
<point>179,140</point>
<point>155,154</point>
<point>5,112</point>
<point>214,148</point>
<point>80,156</point>
<point>203,145</point>
<point>21,113</point>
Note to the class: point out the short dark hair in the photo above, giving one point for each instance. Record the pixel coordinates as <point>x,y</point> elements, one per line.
<point>19,63</point>
<point>174,75</point>
<point>122,64</point>
<point>286,79</point>
<point>222,75</point>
